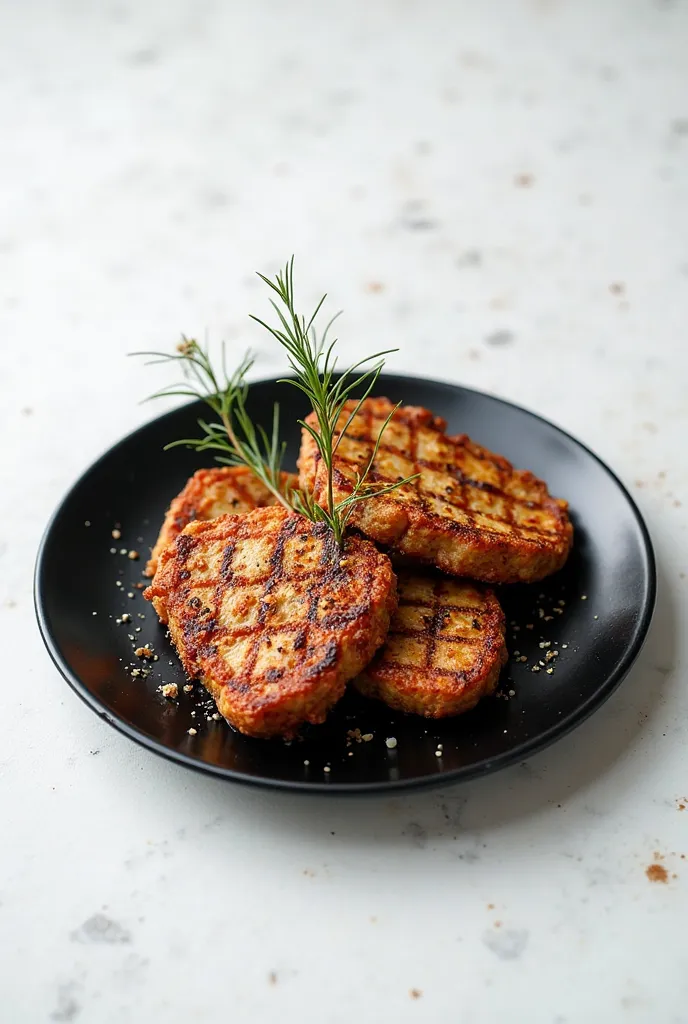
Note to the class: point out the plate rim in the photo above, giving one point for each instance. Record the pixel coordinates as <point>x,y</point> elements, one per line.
<point>484,767</point>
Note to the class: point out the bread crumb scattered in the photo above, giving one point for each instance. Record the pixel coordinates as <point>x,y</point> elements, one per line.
<point>170,690</point>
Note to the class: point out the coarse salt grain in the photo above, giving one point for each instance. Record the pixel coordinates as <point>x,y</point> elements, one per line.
<point>391,742</point>
<point>327,768</point>
<point>192,731</point>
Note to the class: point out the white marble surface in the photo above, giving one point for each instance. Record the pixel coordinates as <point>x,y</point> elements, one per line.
<point>468,180</point>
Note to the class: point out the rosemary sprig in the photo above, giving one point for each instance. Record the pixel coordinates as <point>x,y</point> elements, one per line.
<point>315,366</point>
<point>234,436</point>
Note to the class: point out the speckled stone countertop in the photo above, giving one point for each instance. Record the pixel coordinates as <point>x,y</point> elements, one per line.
<point>501,190</point>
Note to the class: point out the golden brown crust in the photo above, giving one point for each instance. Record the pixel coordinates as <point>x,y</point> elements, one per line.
<point>210,493</point>
<point>273,618</point>
<point>445,647</point>
<point>469,513</point>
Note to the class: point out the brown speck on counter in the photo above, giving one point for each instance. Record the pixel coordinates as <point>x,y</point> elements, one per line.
<point>272,978</point>
<point>524,180</point>
<point>617,288</point>
<point>415,993</point>
<point>657,873</point>
<point>375,286</point>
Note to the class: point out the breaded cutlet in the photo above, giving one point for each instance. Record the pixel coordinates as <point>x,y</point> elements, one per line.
<point>445,647</point>
<point>210,493</point>
<point>468,512</point>
<point>271,615</point>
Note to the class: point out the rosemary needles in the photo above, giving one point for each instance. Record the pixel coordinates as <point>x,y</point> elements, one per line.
<point>314,365</point>
<point>239,442</point>
<point>233,435</point>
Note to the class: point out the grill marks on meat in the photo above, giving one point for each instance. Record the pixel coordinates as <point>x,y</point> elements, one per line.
<point>274,619</point>
<point>445,647</point>
<point>210,493</point>
<point>468,512</point>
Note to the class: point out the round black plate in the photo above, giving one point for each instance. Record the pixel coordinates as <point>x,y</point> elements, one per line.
<point>595,613</point>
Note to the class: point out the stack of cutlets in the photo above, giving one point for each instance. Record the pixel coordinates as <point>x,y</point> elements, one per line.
<point>275,618</point>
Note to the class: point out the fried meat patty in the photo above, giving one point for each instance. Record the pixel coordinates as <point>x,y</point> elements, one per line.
<point>271,615</point>
<point>445,647</point>
<point>210,493</point>
<point>469,512</point>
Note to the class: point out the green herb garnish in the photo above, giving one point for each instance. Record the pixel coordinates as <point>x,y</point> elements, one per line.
<point>315,374</point>
<point>234,435</point>
<point>241,443</point>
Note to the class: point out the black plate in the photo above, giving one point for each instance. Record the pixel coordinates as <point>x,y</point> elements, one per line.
<point>603,598</point>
